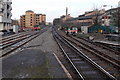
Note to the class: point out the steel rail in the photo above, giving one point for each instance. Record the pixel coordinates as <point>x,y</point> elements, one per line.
<point>102,55</point>
<point>11,42</point>
<point>102,46</point>
<point>11,36</point>
<point>79,74</point>
<point>23,42</point>
<point>91,61</point>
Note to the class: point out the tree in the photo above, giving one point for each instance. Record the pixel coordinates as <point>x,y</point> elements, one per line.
<point>95,7</point>
<point>56,21</point>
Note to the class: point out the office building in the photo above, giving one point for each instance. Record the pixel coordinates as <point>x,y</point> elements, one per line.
<point>5,14</point>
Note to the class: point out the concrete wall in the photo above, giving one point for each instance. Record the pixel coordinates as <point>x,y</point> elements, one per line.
<point>0,18</point>
<point>1,26</point>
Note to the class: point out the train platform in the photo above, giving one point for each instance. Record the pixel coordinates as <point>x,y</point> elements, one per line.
<point>114,43</point>
<point>36,59</point>
<point>103,39</point>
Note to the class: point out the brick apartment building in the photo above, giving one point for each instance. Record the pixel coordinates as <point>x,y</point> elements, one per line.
<point>30,19</point>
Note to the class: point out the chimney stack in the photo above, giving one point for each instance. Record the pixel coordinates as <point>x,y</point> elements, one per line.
<point>66,11</point>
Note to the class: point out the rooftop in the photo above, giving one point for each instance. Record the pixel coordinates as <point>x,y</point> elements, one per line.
<point>7,0</point>
<point>29,11</point>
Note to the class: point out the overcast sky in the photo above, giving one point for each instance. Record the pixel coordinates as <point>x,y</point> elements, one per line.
<point>56,8</point>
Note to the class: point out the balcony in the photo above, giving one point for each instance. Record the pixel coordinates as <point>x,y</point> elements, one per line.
<point>1,7</point>
<point>10,8</point>
<point>7,0</point>
<point>1,19</point>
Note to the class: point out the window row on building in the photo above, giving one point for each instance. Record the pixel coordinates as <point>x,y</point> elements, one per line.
<point>30,19</point>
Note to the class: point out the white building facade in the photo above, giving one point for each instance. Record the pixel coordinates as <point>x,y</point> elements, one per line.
<point>119,4</point>
<point>106,18</point>
<point>5,14</point>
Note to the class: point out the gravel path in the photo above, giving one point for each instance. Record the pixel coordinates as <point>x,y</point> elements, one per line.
<point>35,60</point>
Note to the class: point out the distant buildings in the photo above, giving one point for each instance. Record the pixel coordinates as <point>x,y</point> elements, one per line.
<point>85,21</point>
<point>108,16</point>
<point>92,21</point>
<point>5,14</point>
<point>30,19</point>
<point>15,22</point>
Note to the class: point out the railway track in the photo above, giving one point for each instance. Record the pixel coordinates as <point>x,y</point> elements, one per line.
<point>85,68</point>
<point>14,39</point>
<point>108,60</point>
<point>12,43</point>
<point>113,48</point>
<point>102,46</point>
<point>11,36</point>
<point>111,55</point>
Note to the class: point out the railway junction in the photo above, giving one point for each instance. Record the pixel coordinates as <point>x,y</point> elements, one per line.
<point>51,54</point>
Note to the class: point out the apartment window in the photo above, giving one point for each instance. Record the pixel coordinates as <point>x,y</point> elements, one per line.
<point>4,24</point>
<point>7,15</point>
<point>2,10</point>
<point>108,17</point>
<point>103,17</point>
<point>103,22</point>
<point>8,6</point>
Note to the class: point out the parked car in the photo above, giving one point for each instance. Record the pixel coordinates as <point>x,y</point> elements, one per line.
<point>1,33</point>
<point>5,32</point>
<point>10,31</point>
